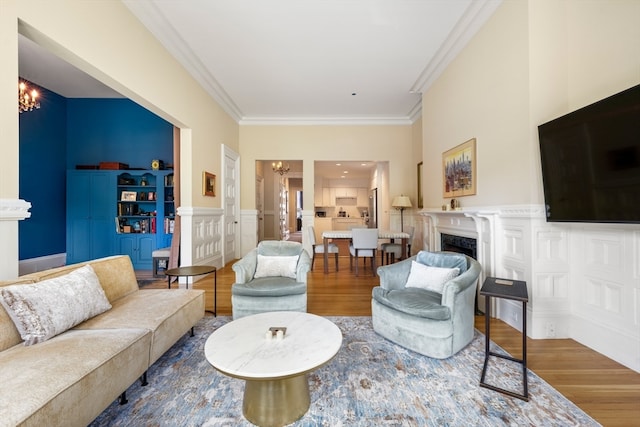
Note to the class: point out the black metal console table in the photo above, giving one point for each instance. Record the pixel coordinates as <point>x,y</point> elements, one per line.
<point>513,290</point>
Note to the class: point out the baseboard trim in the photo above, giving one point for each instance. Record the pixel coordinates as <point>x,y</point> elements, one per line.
<point>33,265</point>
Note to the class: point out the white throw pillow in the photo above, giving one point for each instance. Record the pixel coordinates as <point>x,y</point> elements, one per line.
<point>430,278</point>
<point>45,309</point>
<point>270,266</point>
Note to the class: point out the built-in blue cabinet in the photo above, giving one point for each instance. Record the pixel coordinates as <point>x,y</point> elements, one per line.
<point>90,225</point>
<point>119,212</point>
<point>139,247</point>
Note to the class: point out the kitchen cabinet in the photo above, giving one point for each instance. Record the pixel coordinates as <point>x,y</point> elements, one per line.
<point>324,197</point>
<point>346,192</point>
<point>328,197</point>
<point>363,198</point>
<point>317,197</point>
<point>347,223</point>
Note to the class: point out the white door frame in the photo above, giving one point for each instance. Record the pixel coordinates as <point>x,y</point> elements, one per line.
<point>230,220</point>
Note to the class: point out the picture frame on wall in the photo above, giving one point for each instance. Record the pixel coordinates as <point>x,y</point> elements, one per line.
<point>459,170</point>
<point>419,187</point>
<point>208,184</point>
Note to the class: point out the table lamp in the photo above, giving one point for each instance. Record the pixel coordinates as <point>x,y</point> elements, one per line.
<point>401,202</point>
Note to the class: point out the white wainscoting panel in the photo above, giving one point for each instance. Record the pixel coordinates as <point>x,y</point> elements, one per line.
<point>249,230</point>
<point>604,290</point>
<point>201,236</point>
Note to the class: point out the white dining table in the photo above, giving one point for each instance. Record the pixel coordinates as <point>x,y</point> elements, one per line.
<point>347,234</point>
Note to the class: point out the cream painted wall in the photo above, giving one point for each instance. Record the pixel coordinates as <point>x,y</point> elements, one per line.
<point>531,62</point>
<point>483,94</point>
<point>310,143</point>
<point>105,40</point>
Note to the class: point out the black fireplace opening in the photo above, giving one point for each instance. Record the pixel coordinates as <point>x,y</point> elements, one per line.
<point>463,245</point>
<point>460,244</point>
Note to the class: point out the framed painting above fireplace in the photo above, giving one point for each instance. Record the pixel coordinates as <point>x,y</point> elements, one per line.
<point>459,170</point>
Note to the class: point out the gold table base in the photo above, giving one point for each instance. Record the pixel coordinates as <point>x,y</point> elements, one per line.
<point>276,402</point>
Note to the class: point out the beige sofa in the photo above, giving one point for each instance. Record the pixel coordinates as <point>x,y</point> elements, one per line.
<point>71,378</point>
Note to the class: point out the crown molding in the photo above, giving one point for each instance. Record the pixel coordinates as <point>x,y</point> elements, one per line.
<point>475,17</point>
<point>325,121</point>
<point>161,28</point>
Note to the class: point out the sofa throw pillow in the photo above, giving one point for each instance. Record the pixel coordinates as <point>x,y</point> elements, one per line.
<point>269,266</point>
<point>45,309</point>
<point>430,278</point>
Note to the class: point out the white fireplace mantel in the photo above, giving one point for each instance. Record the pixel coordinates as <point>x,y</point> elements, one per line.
<point>477,223</point>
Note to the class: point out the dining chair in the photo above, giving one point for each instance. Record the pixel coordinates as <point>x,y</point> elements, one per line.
<point>395,249</point>
<point>364,243</point>
<point>332,248</point>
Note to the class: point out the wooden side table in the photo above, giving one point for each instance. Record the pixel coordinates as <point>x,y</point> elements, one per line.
<point>513,290</point>
<point>196,270</point>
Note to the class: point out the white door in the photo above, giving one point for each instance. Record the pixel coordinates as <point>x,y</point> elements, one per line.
<point>260,207</point>
<point>231,204</point>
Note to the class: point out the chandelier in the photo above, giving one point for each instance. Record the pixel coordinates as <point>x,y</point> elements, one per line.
<point>280,168</point>
<point>27,100</point>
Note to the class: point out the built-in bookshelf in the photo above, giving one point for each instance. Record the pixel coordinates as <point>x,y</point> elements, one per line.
<point>140,201</point>
<point>169,205</point>
<point>137,209</point>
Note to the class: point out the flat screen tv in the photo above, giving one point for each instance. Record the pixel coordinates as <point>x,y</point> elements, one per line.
<point>591,162</point>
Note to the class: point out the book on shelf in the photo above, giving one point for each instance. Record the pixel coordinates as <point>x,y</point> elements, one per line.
<point>169,225</point>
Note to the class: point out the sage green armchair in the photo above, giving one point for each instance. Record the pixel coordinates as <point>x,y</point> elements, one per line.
<point>271,277</point>
<point>436,324</point>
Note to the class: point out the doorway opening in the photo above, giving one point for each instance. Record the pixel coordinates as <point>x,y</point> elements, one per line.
<point>279,199</point>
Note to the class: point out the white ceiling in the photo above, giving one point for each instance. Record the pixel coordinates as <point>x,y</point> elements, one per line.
<point>296,61</point>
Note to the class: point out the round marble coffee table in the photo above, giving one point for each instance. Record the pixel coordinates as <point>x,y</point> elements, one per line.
<point>275,370</point>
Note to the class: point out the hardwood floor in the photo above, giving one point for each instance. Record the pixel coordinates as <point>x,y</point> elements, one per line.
<point>604,389</point>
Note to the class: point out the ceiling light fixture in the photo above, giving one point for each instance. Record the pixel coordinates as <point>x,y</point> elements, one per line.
<point>27,101</point>
<point>280,167</point>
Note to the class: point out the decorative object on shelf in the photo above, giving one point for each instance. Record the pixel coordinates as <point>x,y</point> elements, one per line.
<point>143,181</point>
<point>128,196</point>
<point>157,164</point>
<point>459,170</point>
<point>419,198</point>
<point>208,184</point>
<point>401,203</point>
<point>27,100</point>
<point>280,167</point>
<point>113,165</point>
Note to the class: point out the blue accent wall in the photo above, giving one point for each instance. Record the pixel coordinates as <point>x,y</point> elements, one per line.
<point>66,132</point>
<point>42,176</point>
<point>115,130</point>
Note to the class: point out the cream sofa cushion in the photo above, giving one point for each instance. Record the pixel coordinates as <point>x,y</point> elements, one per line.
<point>45,309</point>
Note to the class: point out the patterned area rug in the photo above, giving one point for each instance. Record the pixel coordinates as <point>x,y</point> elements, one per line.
<point>371,381</point>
